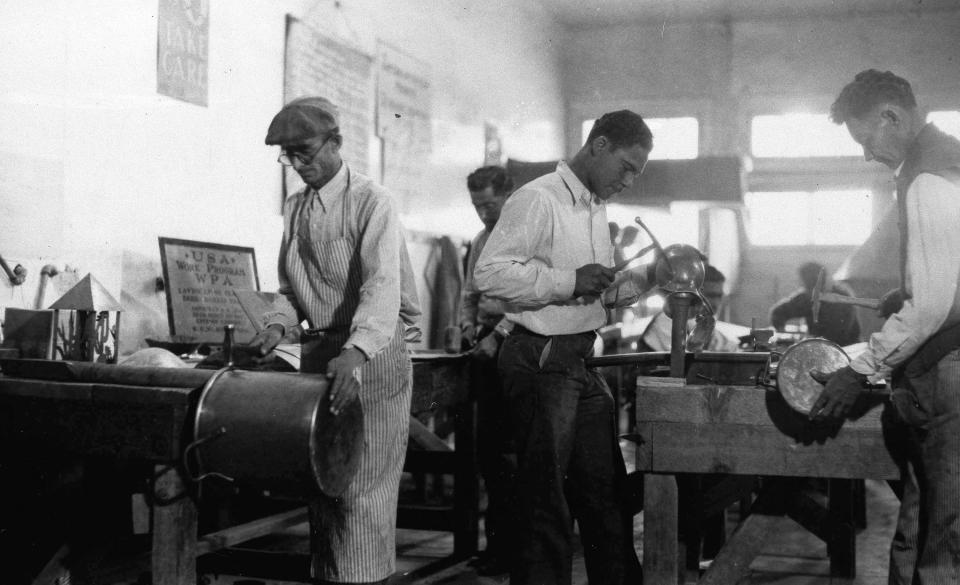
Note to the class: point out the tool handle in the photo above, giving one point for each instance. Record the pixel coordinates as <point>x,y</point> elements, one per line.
<point>845,300</point>
<point>626,262</point>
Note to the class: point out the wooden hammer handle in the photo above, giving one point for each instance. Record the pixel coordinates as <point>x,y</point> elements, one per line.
<point>845,300</point>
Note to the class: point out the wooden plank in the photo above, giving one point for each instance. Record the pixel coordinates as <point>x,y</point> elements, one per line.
<point>174,548</point>
<point>660,540</point>
<point>244,532</point>
<point>737,405</point>
<point>733,561</point>
<point>420,436</point>
<point>751,450</point>
<point>21,387</point>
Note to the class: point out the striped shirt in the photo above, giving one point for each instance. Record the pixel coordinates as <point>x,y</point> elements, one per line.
<point>349,217</point>
<point>548,228</point>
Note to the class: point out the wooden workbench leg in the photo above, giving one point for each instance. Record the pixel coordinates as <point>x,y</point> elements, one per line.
<point>842,548</point>
<point>660,546</point>
<point>466,489</point>
<point>174,558</point>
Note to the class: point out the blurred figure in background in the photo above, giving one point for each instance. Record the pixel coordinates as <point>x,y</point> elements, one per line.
<point>483,329</point>
<point>837,322</point>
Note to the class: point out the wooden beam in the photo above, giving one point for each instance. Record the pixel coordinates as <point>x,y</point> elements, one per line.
<point>244,532</point>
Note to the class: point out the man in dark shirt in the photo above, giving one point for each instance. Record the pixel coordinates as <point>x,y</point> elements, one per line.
<point>837,322</point>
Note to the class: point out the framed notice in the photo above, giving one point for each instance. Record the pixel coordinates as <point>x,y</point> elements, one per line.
<point>200,282</point>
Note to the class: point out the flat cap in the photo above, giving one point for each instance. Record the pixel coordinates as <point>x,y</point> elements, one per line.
<point>302,119</point>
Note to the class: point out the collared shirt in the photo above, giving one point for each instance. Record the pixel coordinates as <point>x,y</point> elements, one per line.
<point>344,264</point>
<point>548,228</point>
<point>933,272</point>
<point>477,308</point>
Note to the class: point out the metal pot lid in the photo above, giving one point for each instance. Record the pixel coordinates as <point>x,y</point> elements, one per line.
<point>794,381</point>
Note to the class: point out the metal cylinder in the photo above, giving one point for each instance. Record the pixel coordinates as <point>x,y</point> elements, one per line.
<point>274,431</point>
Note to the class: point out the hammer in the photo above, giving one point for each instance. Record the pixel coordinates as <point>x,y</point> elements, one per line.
<point>818,296</point>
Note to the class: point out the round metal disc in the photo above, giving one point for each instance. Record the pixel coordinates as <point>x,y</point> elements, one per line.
<point>794,381</point>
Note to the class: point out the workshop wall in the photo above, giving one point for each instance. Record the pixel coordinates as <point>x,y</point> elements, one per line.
<point>727,72</point>
<point>95,165</point>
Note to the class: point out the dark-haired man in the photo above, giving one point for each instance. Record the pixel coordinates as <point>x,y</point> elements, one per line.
<point>344,268</point>
<point>549,258</point>
<point>483,331</point>
<point>920,342</point>
<point>837,322</point>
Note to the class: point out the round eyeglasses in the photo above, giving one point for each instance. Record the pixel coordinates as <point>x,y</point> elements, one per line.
<point>288,157</point>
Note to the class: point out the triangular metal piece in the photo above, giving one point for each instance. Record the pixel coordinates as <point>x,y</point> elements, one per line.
<point>87,295</point>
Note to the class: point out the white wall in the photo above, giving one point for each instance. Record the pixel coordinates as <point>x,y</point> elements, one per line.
<point>95,165</point>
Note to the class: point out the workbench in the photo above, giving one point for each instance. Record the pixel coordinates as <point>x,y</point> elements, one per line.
<point>152,425</point>
<point>747,430</point>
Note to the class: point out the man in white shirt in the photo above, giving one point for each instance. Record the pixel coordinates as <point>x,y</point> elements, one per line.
<point>920,343</point>
<point>549,259</point>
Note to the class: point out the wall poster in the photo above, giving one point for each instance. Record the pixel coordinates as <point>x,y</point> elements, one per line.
<point>200,279</point>
<point>183,35</point>
<point>403,119</point>
<point>317,64</point>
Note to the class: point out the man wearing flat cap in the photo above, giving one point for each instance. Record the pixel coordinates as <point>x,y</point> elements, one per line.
<point>344,268</point>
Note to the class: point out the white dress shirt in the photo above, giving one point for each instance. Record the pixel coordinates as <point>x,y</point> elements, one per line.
<point>933,271</point>
<point>548,228</point>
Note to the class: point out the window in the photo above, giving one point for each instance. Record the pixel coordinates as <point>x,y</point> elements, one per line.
<point>673,138</point>
<point>800,135</point>
<point>946,120</point>
<point>803,218</point>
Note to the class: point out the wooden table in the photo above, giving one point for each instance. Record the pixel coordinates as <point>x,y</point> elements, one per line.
<point>748,430</point>
<point>142,423</point>
<point>152,424</point>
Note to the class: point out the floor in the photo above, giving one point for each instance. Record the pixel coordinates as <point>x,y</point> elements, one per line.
<point>792,556</point>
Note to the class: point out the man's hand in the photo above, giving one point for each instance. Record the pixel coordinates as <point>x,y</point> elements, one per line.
<point>592,279</point>
<point>891,302</point>
<point>266,340</point>
<point>342,373</point>
<point>842,388</point>
<point>468,334</point>
<point>486,348</point>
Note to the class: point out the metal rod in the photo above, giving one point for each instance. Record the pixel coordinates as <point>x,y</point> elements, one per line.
<point>656,243</point>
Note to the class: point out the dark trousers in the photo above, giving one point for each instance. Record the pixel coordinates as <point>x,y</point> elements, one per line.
<point>496,456</point>
<point>926,544</point>
<point>569,465</point>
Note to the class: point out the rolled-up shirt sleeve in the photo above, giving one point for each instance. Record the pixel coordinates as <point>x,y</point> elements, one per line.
<point>933,261</point>
<point>514,265</point>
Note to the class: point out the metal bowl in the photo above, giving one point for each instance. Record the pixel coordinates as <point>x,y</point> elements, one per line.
<point>680,269</point>
<point>794,381</point>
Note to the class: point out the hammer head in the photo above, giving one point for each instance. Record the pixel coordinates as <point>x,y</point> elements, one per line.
<point>49,270</point>
<point>815,296</point>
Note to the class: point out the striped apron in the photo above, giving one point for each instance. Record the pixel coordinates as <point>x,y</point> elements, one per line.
<point>353,537</point>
